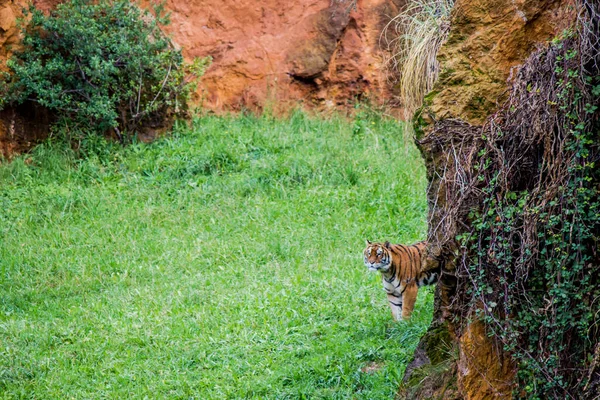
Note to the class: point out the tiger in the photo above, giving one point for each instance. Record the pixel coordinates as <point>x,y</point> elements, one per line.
<point>401,273</point>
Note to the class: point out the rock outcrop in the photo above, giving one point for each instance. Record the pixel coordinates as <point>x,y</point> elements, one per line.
<point>318,52</point>
<point>488,39</point>
<point>274,53</point>
<point>9,37</point>
<point>19,128</point>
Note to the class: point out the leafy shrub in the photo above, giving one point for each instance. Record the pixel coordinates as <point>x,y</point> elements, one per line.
<point>101,65</point>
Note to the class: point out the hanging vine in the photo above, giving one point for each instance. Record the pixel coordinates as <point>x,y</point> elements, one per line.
<point>521,219</point>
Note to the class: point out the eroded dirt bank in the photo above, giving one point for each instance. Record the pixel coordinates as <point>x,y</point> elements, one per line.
<point>273,53</point>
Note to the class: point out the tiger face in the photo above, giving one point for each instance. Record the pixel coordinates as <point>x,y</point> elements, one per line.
<point>377,257</point>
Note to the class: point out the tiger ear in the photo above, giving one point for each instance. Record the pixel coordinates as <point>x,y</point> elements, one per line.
<point>387,244</point>
<point>368,242</point>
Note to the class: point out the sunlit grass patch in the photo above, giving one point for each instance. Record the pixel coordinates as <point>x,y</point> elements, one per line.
<point>223,261</point>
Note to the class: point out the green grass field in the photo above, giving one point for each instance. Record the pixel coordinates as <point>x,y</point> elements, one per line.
<point>221,262</point>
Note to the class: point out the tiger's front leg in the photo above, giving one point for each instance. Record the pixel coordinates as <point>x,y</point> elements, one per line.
<point>409,298</point>
<point>395,303</point>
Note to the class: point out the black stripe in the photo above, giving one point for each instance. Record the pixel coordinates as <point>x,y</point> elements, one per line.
<point>402,292</point>
<point>411,257</point>
<point>400,249</point>
<point>392,270</point>
<point>397,305</point>
<point>393,274</point>
<point>412,260</point>
<point>417,259</point>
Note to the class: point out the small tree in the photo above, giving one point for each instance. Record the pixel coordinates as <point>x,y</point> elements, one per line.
<point>101,65</point>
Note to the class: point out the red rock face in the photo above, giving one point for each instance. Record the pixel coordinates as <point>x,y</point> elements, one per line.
<point>279,52</point>
<point>272,53</point>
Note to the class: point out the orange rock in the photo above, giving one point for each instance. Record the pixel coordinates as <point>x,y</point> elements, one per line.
<point>487,39</point>
<point>281,52</point>
<point>7,18</point>
<point>484,370</point>
<point>9,33</point>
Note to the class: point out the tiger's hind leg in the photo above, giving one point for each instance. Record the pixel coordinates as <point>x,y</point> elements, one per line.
<point>409,298</point>
<point>396,306</point>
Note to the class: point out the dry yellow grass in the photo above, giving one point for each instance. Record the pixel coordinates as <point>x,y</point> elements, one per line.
<point>414,37</point>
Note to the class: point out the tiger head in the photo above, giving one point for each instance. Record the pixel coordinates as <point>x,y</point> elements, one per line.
<point>378,256</point>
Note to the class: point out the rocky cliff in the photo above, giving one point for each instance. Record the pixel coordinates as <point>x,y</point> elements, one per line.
<point>460,356</point>
<point>273,53</point>
<point>321,52</point>
<point>487,40</point>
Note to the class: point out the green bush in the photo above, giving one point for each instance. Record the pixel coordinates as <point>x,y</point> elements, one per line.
<point>101,65</point>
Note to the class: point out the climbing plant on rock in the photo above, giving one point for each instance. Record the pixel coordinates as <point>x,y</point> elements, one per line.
<point>522,217</point>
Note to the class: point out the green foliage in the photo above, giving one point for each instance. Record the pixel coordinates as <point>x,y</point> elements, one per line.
<point>532,256</point>
<point>222,262</point>
<point>101,65</point>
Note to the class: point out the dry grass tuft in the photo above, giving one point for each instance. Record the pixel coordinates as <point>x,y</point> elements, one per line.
<point>414,37</point>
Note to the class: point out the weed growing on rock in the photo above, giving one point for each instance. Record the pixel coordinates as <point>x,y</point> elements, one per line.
<point>414,37</point>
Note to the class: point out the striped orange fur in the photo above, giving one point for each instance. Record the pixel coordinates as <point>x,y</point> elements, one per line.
<point>401,273</point>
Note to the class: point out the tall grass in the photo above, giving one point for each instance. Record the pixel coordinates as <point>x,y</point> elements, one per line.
<point>414,37</point>
<point>222,262</point>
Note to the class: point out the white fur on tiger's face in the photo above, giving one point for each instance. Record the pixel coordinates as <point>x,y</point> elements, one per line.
<point>377,257</point>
